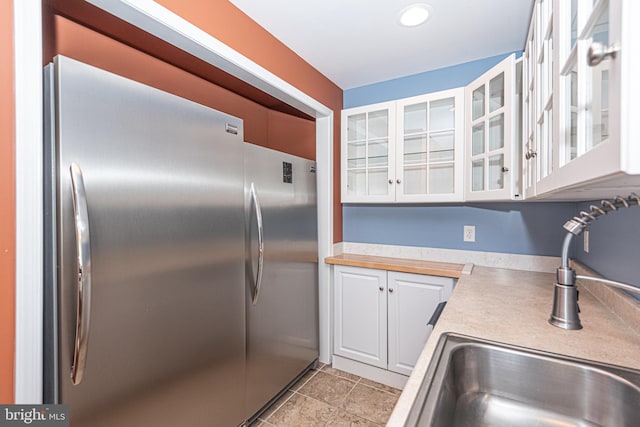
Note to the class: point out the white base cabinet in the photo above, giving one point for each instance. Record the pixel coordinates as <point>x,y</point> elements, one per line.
<point>380,317</point>
<point>411,300</point>
<point>360,298</point>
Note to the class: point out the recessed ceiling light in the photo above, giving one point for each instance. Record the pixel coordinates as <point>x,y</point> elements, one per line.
<point>415,14</point>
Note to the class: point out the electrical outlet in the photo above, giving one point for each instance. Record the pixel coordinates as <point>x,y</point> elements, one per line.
<point>469,233</point>
<point>585,235</point>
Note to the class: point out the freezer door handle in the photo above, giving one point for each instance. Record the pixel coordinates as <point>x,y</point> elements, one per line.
<point>83,251</point>
<point>256,203</point>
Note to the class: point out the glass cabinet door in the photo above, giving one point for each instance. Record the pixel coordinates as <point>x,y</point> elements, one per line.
<point>367,153</point>
<point>429,147</point>
<point>586,87</point>
<point>489,131</point>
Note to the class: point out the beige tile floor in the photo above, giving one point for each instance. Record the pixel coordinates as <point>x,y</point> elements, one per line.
<point>329,397</point>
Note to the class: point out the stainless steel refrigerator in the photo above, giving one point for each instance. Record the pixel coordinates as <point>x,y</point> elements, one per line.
<point>153,315</point>
<point>282,298</point>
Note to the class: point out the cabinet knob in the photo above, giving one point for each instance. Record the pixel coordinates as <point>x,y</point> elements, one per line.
<point>398,181</point>
<point>598,52</point>
<point>390,289</point>
<point>381,288</point>
<point>390,181</point>
<point>505,169</point>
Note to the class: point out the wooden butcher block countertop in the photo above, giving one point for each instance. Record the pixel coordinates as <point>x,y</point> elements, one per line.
<point>431,268</point>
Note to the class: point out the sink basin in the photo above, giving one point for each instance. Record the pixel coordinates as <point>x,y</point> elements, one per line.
<point>472,382</point>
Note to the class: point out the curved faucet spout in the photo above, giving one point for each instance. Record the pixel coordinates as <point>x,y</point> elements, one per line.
<point>566,244</point>
<point>565,298</point>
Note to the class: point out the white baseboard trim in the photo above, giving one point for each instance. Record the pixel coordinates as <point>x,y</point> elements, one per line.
<point>545,264</point>
<point>369,372</point>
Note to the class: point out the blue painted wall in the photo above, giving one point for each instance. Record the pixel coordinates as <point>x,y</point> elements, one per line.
<point>418,84</point>
<point>532,228</point>
<point>614,245</point>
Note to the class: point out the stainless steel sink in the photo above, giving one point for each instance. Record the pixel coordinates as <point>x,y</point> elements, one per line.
<point>472,382</point>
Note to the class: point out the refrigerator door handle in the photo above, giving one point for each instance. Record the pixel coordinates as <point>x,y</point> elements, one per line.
<point>83,251</point>
<point>256,202</point>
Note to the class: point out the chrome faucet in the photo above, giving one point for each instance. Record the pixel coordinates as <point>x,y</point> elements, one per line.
<point>565,299</point>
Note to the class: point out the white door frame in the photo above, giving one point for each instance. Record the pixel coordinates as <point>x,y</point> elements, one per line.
<point>160,22</point>
<point>29,205</point>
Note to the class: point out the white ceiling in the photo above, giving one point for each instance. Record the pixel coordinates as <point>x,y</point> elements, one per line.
<point>359,42</point>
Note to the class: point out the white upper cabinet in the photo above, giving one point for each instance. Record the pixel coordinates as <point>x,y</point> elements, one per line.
<point>538,110</point>
<point>409,150</point>
<point>569,132</point>
<point>595,149</point>
<point>429,147</point>
<point>368,158</point>
<point>492,137</point>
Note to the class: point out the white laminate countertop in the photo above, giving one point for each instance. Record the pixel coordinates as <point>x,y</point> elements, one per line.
<point>513,306</point>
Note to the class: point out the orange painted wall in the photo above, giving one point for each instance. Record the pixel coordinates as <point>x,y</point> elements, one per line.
<point>7,204</point>
<point>81,43</point>
<point>282,126</point>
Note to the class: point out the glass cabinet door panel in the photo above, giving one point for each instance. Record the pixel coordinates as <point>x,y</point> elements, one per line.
<point>415,144</point>
<point>496,132</point>
<point>496,176</point>
<point>356,183</point>
<point>415,180</point>
<point>477,139</point>
<point>357,127</point>
<point>599,79</point>
<point>415,118</point>
<point>496,92</point>
<point>378,124</point>
<point>571,131</point>
<point>356,150</point>
<point>357,162</point>
<point>603,126</point>
<point>574,23</point>
<point>441,178</point>
<point>368,156</point>
<point>378,184</point>
<point>442,114</point>
<point>441,147</point>
<point>477,103</point>
<point>477,175</point>
<point>415,150</point>
<point>600,32</point>
<point>378,153</point>
<point>415,159</point>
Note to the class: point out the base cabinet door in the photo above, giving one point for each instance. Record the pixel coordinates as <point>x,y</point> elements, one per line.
<point>380,316</point>
<point>360,314</point>
<point>412,299</point>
